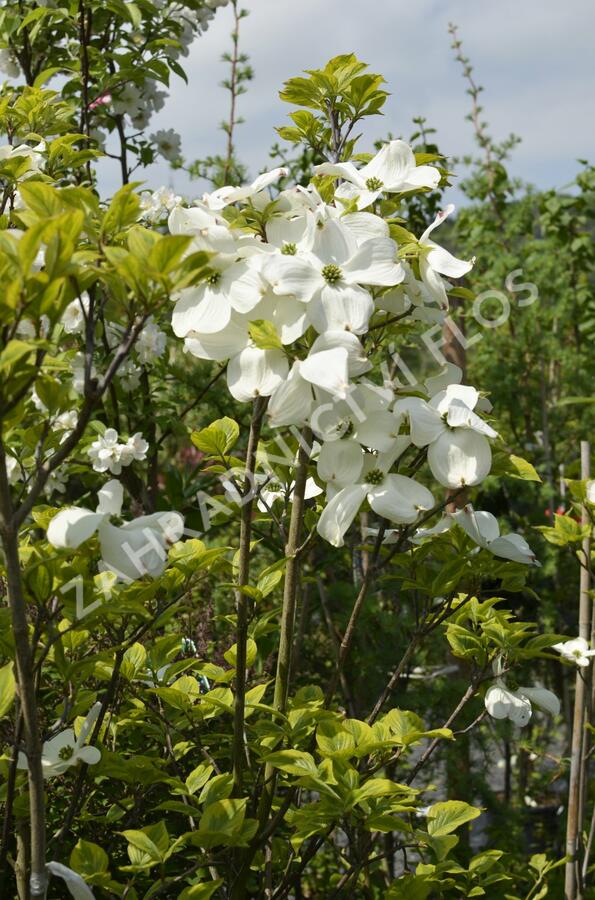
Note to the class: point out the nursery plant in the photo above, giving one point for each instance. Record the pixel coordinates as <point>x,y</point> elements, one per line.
<point>251,605</point>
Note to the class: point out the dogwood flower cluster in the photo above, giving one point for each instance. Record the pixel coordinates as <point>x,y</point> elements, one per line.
<point>131,550</point>
<point>108,454</point>
<point>289,303</point>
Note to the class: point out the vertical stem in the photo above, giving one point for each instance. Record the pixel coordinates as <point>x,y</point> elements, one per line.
<point>9,800</point>
<point>547,446</point>
<point>284,657</point>
<point>21,862</point>
<point>572,881</point>
<point>345,648</point>
<point>241,600</point>
<point>26,684</point>
<point>291,577</point>
<point>233,89</point>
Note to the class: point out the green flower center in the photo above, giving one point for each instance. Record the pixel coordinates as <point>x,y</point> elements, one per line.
<point>376,476</point>
<point>373,184</point>
<point>289,249</point>
<point>214,278</point>
<point>66,753</point>
<point>347,428</point>
<point>332,273</point>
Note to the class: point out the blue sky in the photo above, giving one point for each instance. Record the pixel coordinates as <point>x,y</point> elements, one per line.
<point>534,58</point>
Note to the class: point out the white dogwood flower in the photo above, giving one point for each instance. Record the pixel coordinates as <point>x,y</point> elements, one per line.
<point>256,373</point>
<point>503,703</point>
<point>66,750</point>
<point>435,261</point>
<point>483,528</point>
<point>393,171</point>
<point>223,196</point>
<point>131,550</point>
<point>394,497</point>
<point>458,450</point>
<point>330,278</point>
<point>576,651</point>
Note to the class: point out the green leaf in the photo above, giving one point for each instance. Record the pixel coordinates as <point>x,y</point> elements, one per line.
<point>88,859</point>
<point>443,818</point>
<point>294,762</point>
<point>46,74</point>
<point>153,840</point>
<point>269,581</point>
<point>167,252</point>
<point>218,788</point>
<point>218,438</point>
<point>442,844</point>
<point>251,650</point>
<point>513,466</point>
<point>334,741</point>
<point>520,468</point>
<point>221,822</point>
<point>42,199</point>
<point>198,778</point>
<point>134,661</point>
<point>13,353</point>
<point>7,688</point>
<point>200,891</point>
<point>264,334</point>
<point>123,210</point>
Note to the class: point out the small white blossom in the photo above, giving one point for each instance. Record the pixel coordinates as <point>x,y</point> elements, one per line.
<point>27,329</point>
<point>108,454</point>
<point>168,143</point>
<point>57,481</point>
<point>105,452</point>
<point>150,344</point>
<point>13,470</point>
<point>159,204</point>
<point>129,375</point>
<point>66,421</point>
<point>8,64</point>
<point>135,448</point>
<point>73,319</point>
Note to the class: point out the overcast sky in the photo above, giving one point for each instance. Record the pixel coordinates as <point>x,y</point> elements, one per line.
<point>535,59</point>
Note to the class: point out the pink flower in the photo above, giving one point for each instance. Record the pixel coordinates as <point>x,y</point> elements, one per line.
<point>102,100</point>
